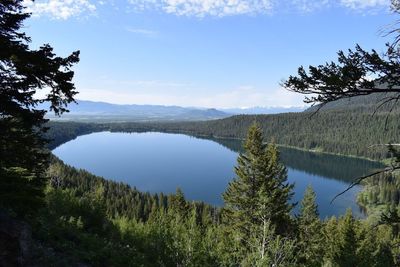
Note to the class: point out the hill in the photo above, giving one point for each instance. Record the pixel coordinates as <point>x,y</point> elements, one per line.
<point>369,104</point>
<point>103,112</point>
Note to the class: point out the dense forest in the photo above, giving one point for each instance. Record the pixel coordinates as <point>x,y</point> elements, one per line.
<point>90,220</point>
<point>381,193</point>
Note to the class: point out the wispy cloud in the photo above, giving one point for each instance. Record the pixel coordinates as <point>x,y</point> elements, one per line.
<point>364,4</point>
<point>202,8</point>
<point>145,32</point>
<point>59,9</point>
<point>222,8</point>
<point>307,6</point>
<point>65,9</point>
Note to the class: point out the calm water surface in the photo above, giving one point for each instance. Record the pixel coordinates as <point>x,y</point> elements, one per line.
<point>160,162</point>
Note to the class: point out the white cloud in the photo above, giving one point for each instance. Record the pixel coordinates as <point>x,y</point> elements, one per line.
<point>307,6</point>
<point>59,9</point>
<point>202,8</point>
<point>364,4</point>
<point>222,8</point>
<point>64,9</point>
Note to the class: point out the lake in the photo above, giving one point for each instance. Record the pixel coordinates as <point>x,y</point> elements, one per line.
<point>202,168</point>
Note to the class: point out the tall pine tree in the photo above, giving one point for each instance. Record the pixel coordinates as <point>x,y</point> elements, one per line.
<point>257,200</point>
<point>310,227</point>
<point>23,72</point>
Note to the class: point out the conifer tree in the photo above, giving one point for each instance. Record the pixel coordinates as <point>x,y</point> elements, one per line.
<point>256,201</point>
<point>309,224</point>
<point>347,243</point>
<point>330,240</point>
<point>178,204</point>
<point>23,72</point>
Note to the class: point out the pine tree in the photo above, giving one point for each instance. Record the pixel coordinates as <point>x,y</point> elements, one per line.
<point>23,72</point>
<point>178,204</point>
<point>309,226</point>
<point>256,201</point>
<point>347,245</point>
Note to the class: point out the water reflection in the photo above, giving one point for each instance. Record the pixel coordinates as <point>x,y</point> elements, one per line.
<point>336,167</point>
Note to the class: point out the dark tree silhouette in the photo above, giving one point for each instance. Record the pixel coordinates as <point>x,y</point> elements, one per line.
<point>357,72</point>
<point>23,72</point>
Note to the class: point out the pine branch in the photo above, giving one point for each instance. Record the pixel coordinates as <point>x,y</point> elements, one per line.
<point>360,179</point>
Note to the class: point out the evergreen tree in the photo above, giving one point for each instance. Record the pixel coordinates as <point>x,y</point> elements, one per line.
<point>330,239</point>
<point>23,72</point>
<point>256,201</point>
<point>371,251</point>
<point>347,241</point>
<point>309,226</point>
<point>179,206</point>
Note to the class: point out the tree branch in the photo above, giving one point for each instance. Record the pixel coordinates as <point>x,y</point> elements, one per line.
<point>360,179</point>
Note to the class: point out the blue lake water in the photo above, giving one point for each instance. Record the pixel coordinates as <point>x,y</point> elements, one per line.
<point>202,168</point>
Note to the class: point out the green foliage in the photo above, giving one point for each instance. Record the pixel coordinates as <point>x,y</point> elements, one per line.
<point>137,229</point>
<point>256,201</point>
<point>309,231</point>
<point>87,220</point>
<point>349,242</point>
<point>21,191</point>
<point>82,224</point>
<point>275,250</point>
<point>380,193</point>
<point>90,220</point>
<point>346,242</point>
<point>349,77</point>
<point>22,73</point>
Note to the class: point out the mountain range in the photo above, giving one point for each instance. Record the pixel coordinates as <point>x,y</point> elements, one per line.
<point>92,111</point>
<point>85,110</point>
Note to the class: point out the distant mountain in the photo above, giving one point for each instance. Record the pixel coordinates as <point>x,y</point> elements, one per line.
<point>368,103</point>
<point>263,110</point>
<point>92,111</point>
<point>101,111</point>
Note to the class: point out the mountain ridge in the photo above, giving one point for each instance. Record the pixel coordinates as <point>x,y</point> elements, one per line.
<point>85,110</point>
<point>368,103</point>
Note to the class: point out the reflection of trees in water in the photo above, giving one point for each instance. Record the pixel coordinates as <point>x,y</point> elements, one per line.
<point>331,166</point>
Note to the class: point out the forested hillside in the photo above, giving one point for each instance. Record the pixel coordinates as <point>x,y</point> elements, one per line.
<point>376,102</point>
<point>106,112</point>
<point>89,220</point>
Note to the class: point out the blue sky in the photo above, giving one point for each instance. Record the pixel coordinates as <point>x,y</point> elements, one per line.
<point>208,53</point>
